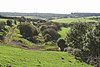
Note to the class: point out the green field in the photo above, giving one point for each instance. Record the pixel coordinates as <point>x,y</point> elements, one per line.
<point>70,20</point>
<point>63,32</point>
<point>3,20</point>
<point>16,57</point>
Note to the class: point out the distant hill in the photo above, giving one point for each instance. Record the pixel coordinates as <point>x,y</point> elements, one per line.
<point>85,14</point>
<point>49,15</point>
<point>35,15</point>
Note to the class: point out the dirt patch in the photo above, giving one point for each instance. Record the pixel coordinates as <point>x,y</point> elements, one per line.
<point>19,43</point>
<point>37,47</point>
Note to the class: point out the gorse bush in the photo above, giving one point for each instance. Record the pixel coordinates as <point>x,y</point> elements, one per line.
<point>53,27</point>
<point>76,35</point>
<point>28,30</point>
<point>86,37</point>
<point>53,33</point>
<point>2,25</point>
<point>43,27</point>
<point>9,23</point>
<point>61,44</point>
<point>47,38</point>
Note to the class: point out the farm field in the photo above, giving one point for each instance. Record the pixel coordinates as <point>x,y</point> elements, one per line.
<point>70,20</point>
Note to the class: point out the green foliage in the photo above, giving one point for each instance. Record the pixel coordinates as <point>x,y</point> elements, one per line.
<point>2,25</point>
<point>53,27</point>
<point>28,30</point>
<point>43,27</point>
<point>61,44</point>
<point>86,37</point>
<point>9,23</point>
<point>76,35</point>
<point>93,38</point>
<point>53,33</point>
<point>47,38</point>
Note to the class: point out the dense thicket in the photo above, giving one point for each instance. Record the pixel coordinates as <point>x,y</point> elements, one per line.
<point>86,37</point>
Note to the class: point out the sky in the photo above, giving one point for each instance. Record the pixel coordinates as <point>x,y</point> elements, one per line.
<point>50,6</point>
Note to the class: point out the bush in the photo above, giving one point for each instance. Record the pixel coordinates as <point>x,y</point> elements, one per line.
<point>33,39</point>
<point>1,37</point>
<point>22,19</point>
<point>76,35</point>
<point>9,23</point>
<point>86,37</point>
<point>53,33</point>
<point>28,30</point>
<point>47,38</point>
<point>43,27</point>
<point>61,44</point>
<point>53,27</point>
<point>2,26</point>
<point>59,25</point>
<point>15,22</point>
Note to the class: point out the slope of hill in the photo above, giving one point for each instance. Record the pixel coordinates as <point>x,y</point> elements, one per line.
<point>16,57</point>
<point>49,15</point>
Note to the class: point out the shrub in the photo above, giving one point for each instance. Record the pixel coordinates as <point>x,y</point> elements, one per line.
<point>15,22</point>
<point>59,25</point>
<point>53,33</point>
<point>76,35</point>
<point>9,23</point>
<point>43,27</point>
<point>53,27</point>
<point>47,38</point>
<point>61,44</point>
<point>86,37</point>
<point>22,19</point>
<point>33,39</point>
<point>28,30</point>
<point>2,26</point>
<point>1,37</point>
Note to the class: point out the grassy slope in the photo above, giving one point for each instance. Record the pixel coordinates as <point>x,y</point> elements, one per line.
<point>63,32</point>
<point>27,58</point>
<point>69,20</point>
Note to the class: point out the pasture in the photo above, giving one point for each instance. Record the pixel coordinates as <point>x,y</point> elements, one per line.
<point>16,57</point>
<point>71,20</point>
